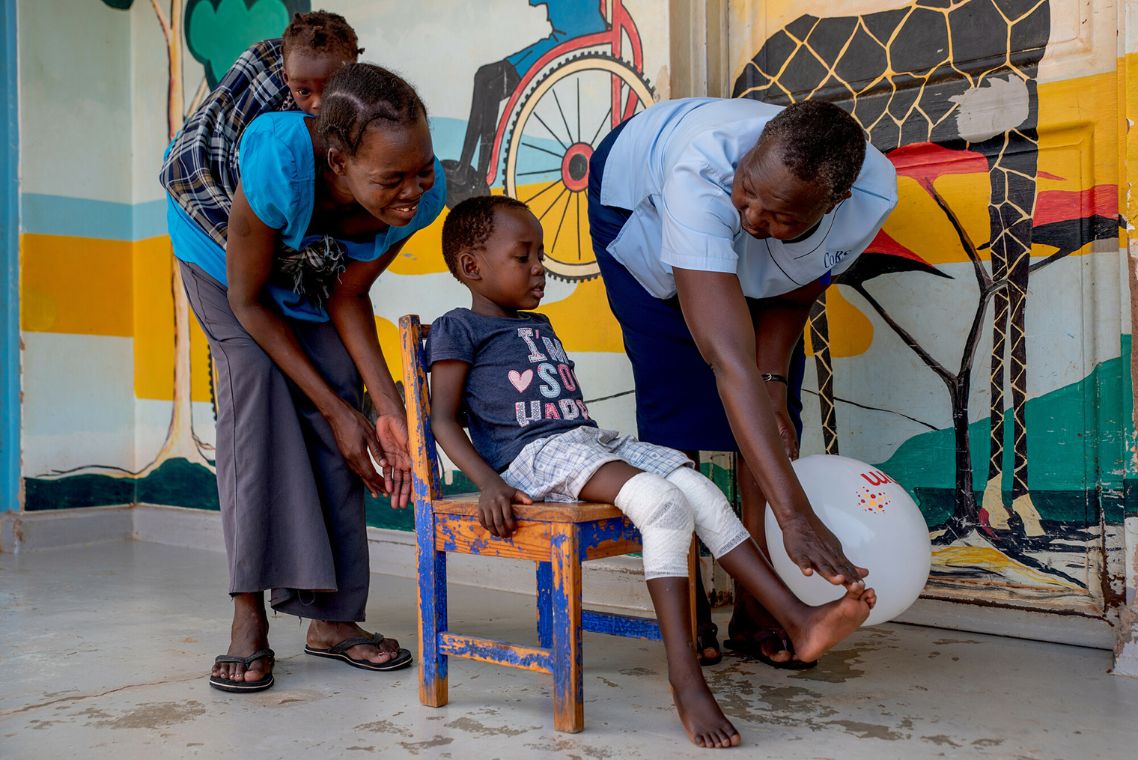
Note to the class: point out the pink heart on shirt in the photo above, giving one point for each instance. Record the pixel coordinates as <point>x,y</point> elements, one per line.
<point>520,380</point>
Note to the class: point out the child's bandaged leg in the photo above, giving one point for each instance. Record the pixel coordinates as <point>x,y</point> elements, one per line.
<point>715,522</point>
<point>661,513</point>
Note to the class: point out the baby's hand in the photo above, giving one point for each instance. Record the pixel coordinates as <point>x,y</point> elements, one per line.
<point>495,510</point>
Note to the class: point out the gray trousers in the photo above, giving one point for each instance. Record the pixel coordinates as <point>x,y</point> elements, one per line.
<point>292,510</point>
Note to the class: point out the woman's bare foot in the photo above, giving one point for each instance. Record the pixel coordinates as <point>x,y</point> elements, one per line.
<point>704,722</point>
<point>248,634</point>
<point>323,634</point>
<point>826,625</point>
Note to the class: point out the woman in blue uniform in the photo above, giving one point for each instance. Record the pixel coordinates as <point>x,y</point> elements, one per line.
<point>716,224</point>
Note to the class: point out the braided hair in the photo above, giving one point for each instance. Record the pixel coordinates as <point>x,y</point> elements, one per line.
<point>322,32</point>
<point>360,94</point>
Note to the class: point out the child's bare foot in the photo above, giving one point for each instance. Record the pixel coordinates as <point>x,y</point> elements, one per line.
<point>705,723</point>
<point>828,624</point>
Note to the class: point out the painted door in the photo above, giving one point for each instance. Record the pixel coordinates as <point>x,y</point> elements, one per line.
<point>978,351</point>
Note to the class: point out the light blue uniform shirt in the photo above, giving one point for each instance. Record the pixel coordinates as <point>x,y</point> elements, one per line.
<point>278,175</point>
<point>673,166</point>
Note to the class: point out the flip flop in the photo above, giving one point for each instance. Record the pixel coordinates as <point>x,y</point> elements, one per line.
<point>402,658</point>
<point>707,638</point>
<point>753,649</point>
<point>242,687</point>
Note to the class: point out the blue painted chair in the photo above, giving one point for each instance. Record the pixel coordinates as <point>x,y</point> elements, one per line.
<point>558,537</point>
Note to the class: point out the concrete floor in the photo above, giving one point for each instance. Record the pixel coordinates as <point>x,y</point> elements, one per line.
<point>108,647</point>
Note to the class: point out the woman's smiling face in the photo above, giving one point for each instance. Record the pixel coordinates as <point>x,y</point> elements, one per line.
<point>772,201</point>
<point>392,169</point>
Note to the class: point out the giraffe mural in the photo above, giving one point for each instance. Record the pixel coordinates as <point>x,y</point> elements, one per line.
<point>934,71</point>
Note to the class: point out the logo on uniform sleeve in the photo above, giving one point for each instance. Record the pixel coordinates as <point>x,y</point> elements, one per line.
<point>833,258</point>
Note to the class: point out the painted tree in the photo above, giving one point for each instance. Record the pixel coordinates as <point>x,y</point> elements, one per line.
<point>1065,221</point>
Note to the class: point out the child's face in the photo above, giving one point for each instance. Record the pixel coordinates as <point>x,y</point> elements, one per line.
<point>393,168</point>
<point>306,73</point>
<point>511,268</point>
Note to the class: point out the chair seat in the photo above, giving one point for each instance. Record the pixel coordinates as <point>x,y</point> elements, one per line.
<point>554,512</point>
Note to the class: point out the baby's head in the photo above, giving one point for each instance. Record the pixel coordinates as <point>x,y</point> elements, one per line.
<point>494,246</point>
<point>316,45</point>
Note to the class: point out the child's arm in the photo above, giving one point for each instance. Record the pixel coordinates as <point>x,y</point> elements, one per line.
<point>448,378</point>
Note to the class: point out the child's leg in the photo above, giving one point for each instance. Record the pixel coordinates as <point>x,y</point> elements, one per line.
<point>812,629</point>
<point>664,519</point>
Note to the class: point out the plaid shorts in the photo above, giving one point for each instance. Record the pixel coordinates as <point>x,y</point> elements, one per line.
<point>558,467</point>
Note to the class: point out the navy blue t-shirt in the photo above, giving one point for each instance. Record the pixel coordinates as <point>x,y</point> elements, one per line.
<point>521,385</point>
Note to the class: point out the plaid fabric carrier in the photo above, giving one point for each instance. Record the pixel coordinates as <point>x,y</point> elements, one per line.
<point>311,272</point>
<point>200,171</point>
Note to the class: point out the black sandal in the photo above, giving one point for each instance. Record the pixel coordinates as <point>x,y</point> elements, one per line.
<point>753,649</point>
<point>402,658</point>
<point>707,638</point>
<point>240,687</point>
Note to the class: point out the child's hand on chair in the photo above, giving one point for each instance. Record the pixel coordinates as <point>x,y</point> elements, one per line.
<point>495,508</point>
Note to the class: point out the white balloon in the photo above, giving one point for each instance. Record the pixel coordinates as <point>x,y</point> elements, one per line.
<point>880,528</point>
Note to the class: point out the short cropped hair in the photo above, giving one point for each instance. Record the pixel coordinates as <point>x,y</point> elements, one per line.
<point>819,143</point>
<point>470,224</point>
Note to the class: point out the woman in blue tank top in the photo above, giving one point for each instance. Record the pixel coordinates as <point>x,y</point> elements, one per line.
<point>322,208</point>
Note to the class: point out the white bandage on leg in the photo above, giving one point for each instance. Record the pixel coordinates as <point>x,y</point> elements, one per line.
<point>661,513</point>
<point>715,521</point>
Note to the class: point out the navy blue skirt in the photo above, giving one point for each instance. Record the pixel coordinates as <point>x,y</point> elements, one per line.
<point>677,402</point>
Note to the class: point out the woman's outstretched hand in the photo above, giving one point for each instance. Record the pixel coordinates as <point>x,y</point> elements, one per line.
<point>391,430</point>
<point>811,546</point>
<point>355,437</point>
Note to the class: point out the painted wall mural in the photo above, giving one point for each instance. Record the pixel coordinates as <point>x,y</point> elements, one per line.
<point>950,91</point>
<point>562,73</point>
<point>979,351</point>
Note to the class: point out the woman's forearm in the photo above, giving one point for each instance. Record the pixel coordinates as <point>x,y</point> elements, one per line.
<point>354,318</point>
<point>269,329</point>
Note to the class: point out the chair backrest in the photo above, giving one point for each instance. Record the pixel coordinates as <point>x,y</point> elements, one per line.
<point>421,441</point>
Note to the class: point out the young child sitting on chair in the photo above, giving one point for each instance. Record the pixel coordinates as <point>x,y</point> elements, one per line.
<point>501,368</point>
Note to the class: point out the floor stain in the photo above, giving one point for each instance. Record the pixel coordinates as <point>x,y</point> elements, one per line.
<point>359,749</point>
<point>573,750</point>
<point>385,727</point>
<point>836,667</point>
<point>93,713</point>
<point>608,683</point>
<point>988,742</point>
<point>868,730</point>
<point>941,740</point>
<point>471,726</point>
<point>637,672</point>
<point>155,715</point>
<point>416,747</point>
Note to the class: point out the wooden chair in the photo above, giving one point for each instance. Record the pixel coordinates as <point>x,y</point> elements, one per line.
<point>558,537</point>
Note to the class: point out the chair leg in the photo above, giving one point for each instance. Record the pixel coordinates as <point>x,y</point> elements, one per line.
<point>432,566</point>
<point>544,604</point>
<point>568,687</point>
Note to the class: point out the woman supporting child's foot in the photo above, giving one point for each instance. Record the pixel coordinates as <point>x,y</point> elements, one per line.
<point>812,630</point>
